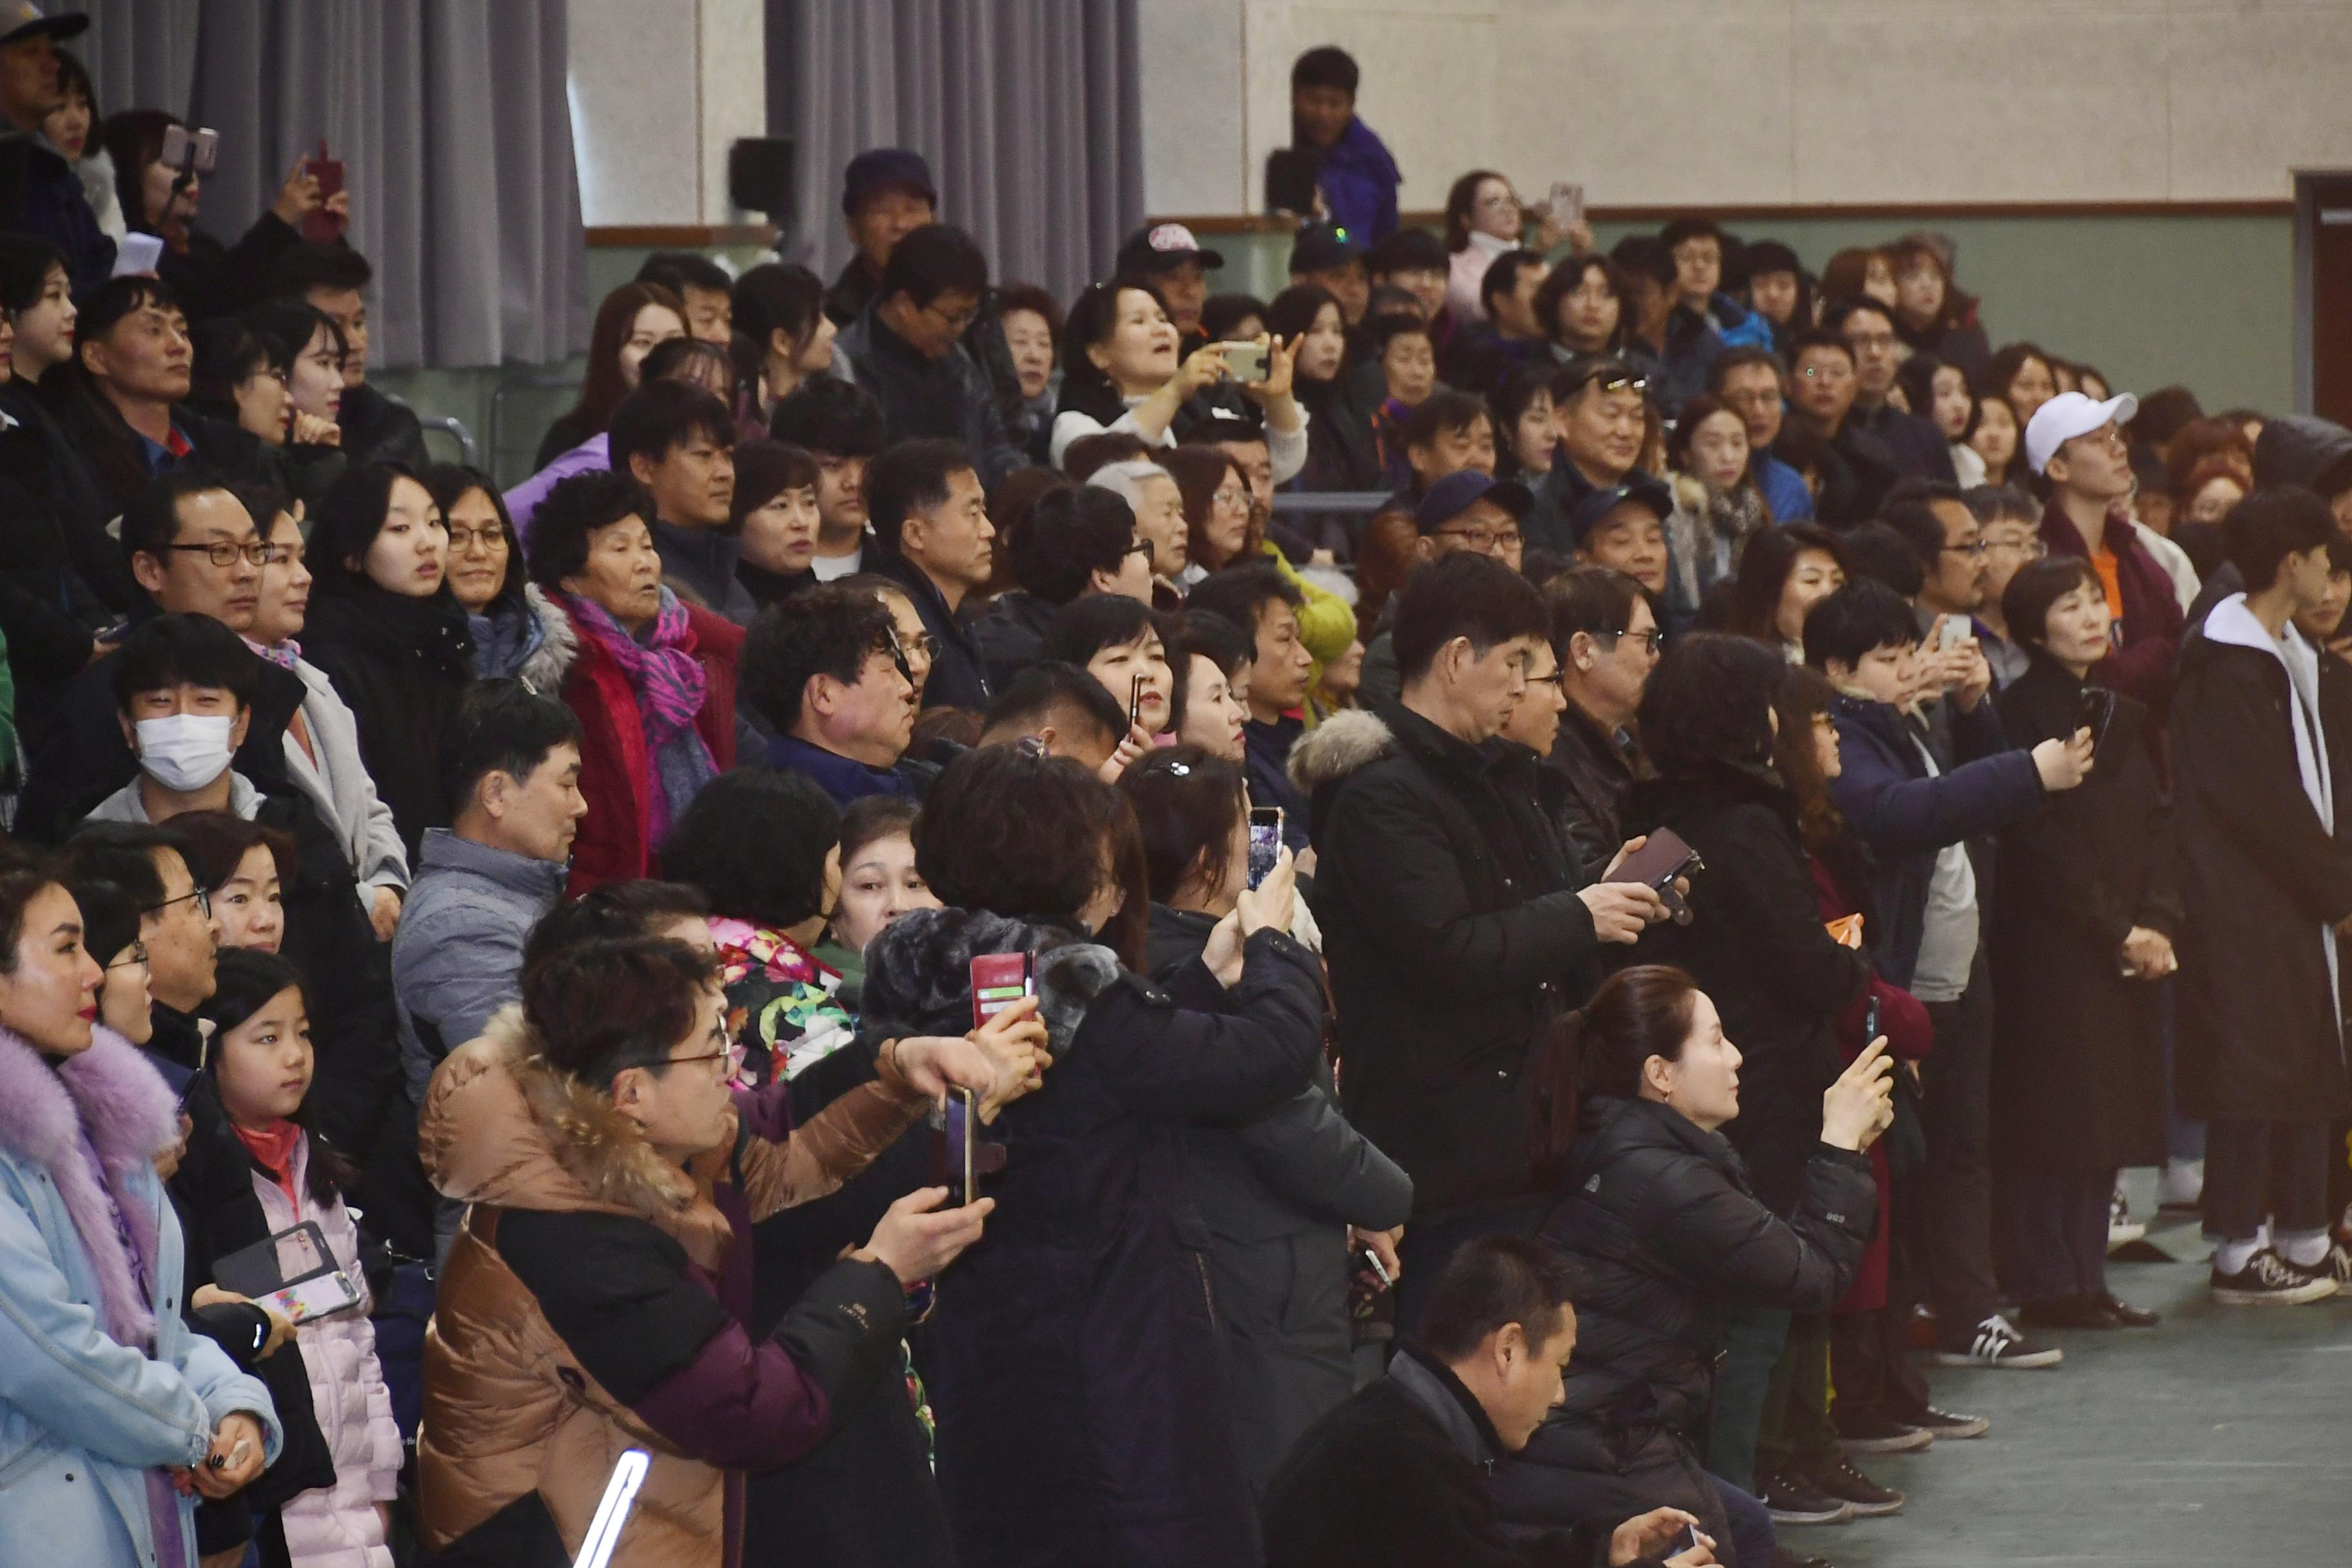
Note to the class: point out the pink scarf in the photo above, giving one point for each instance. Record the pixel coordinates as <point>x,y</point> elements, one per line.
<point>670,684</point>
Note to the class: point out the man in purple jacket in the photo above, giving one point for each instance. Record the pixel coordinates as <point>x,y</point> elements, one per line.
<point>1359,179</point>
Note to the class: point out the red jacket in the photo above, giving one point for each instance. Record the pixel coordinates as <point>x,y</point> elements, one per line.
<point>614,843</point>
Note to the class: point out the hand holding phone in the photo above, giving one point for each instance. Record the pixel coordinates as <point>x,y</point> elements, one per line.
<point>319,224</point>
<point>961,1115</point>
<point>1245,363</point>
<point>2094,710</point>
<point>999,980</point>
<point>1265,842</point>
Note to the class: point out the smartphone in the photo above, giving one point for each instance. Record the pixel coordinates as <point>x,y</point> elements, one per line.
<point>998,981</point>
<point>1689,1541</point>
<point>1245,361</point>
<point>2095,709</point>
<point>1380,1270</point>
<point>962,1116</point>
<point>1870,1021</point>
<point>1955,632</point>
<point>1135,702</point>
<point>189,152</point>
<point>1566,203</point>
<point>321,1296</point>
<point>1264,841</point>
<point>613,1510</point>
<point>319,225</point>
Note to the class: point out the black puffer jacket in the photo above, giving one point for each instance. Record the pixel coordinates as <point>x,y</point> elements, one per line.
<point>1595,771</point>
<point>1671,1238</point>
<point>2299,450</point>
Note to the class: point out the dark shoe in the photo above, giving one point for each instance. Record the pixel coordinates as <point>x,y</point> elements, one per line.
<point>2067,1312</point>
<point>1839,1479</point>
<point>1797,1499</point>
<point>1996,1343</point>
<point>2122,1314</point>
<point>1877,1434</point>
<point>1784,1558</point>
<point>2270,1280</point>
<point>1945,1426</point>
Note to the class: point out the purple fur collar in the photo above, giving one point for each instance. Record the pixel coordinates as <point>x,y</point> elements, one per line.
<point>114,1094</point>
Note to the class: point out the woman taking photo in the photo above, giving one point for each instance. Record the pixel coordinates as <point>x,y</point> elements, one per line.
<point>631,320</point>
<point>386,629</point>
<point>141,1415</point>
<point>1785,572</point>
<point>205,276</point>
<point>516,634</point>
<point>2080,936</point>
<point>1078,1369</point>
<point>1484,219</point>
<point>1119,372</point>
<point>1115,640</point>
<point>1634,1092</point>
<point>1283,1193</point>
<point>654,684</point>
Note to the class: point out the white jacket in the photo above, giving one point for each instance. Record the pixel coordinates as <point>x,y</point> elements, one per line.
<point>339,786</point>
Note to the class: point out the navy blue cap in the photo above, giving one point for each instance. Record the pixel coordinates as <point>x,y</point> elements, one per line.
<point>1646,491</point>
<point>1454,494</point>
<point>23,20</point>
<point>878,169</point>
<point>1320,246</point>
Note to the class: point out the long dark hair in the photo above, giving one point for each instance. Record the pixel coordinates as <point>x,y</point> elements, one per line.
<point>243,984</point>
<point>1805,695</point>
<point>603,390</point>
<point>1764,568</point>
<point>1086,387</point>
<point>1597,1051</point>
<point>1460,201</point>
<point>344,525</point>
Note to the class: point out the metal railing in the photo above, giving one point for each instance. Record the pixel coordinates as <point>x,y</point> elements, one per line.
<point>448,424</point>
<point>1362,502</point>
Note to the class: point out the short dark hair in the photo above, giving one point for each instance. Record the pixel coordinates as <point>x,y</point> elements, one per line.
<point>935,260</point>
<point>1326,65</point>
<point>25,263</point>
<point>1220,313</point>
<point>1490,1283</point>
<point>151,522</point>
<point>228,355</point>
<point>1998,503</point>
<point>831,417</point>
<point>613,912</point>
<point>2034,587</point>
<point>871,819</point>
<point>1709,701</point>
<point>1052,692</point>
<point>334,268</point>
<point>1070,534</point>
<point>574,509</point>
<point>119,853</point>
<point>2269,525</point>
<point>1084,626</point>
<point>755,841</point>
<point>1386,329</point>
<point>828,629</point>
<point>661,414</point>
<point>1877,552</point>
<point>1015,833</point>
<point>1816,338</point>
<point>1202,635</point>
<point>678,270</point>
<point>1690,227</point>
<point>503,727</point>
<point>911,475</point>
<point>164,651</point>
<point>1644,256</point>
<point>1863,616</point>
<point>1408,249</point>
<point>104,308</point>
<point>1502,274</point>
<point>1739,358</point>
<point>1098,449</point>
<point>604,1007</point>
<point>215,843</point>
<point>1442,413</point>
<point>1840,311</point>
<point>1240,594</point>
<point>1595,600</point>
<point>1568,382</point>
<point>1462,594</point>
<point>1186,803</point>
<point>2164,412</point>
<point>1919,526</point>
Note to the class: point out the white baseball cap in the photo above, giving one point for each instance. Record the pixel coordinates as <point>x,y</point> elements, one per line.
<point>2067,415</point>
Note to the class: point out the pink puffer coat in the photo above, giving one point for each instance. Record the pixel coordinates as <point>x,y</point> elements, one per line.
<point>339,1528</point>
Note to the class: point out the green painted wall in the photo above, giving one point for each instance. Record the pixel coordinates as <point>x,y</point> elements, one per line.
<point>2205,301</point>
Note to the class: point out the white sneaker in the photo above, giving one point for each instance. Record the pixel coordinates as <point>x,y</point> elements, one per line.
<point>2121,1227</point>
<point>2180,1185</point>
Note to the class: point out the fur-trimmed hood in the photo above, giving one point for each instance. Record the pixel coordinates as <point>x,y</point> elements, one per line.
<point>502,1126</point>
<point>918,973</point>
<point>551,661</point>
<point>112,1093</point>
<point>1346,742</point>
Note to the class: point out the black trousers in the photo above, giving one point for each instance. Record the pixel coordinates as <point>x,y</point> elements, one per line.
<point>2266,1169</point>
<point>2054,1232</point>
<point>1956,1081</point>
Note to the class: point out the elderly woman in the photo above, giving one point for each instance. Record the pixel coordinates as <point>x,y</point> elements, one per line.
<point>654,684</point>
<point>117,1414</point>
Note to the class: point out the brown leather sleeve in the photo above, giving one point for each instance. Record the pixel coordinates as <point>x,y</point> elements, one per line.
<point>833,1146</point>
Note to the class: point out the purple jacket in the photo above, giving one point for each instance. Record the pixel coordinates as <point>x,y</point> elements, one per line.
<point>589,456</point>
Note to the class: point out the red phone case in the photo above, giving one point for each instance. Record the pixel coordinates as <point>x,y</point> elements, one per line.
<point>318,226</point>
<point>999,980</point>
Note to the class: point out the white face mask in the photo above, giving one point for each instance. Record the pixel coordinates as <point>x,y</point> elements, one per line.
<point>185,752</point>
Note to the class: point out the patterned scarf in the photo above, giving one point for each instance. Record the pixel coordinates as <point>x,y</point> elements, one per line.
<point>669,684</point>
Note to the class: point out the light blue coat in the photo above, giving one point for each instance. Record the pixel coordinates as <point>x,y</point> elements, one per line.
<point>83,1417</point>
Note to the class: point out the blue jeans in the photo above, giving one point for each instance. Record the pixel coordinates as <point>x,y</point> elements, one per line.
<point>1749,1351</point>
<point>1752,1527</point>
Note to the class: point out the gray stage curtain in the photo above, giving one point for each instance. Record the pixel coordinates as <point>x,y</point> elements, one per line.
<point>453,121</point>
<point>1026,109</point>
<point>141,54</point>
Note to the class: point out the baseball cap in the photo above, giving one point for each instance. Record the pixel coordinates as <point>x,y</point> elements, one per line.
<point>1587,513</point>
<point>2067,415</point>
<point>1321,247</point>
<point>874,171</point>
<point>1159,246</point>
<point>22,19</point>
<point>1454,494</point>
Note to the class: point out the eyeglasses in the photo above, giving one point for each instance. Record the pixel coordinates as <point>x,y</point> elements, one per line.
<point>1974,547</point>
<point>135,955</point>
<point>729,1055</point>
<point>2032,549</point>
<point>221,552</point>
<point>203,904</point>
<point>491,535</point>
<point>957,322</point>
<point>1483,538</point>
<point>1870,339</point>
<point>1554,679</point>
<point>1141,547</point>
<point>1651,639</point>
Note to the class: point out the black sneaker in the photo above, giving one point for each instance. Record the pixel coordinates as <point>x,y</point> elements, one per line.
<point>2270,1280</point>
<point>1784,1558</point>
<point>1996,1342</point>
<point>1945,1426</point>
<point>1877,1434</point>
<point>1799,1500</point>
<point>1839,1479</point>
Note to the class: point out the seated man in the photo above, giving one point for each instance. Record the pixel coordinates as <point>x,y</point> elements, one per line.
<point>932,537</point>
<point>1623,528</point>
<point>375,428</point>
<point>174,925</point>
<point>1398,1473</point>
<point>1064,709</point>
<point>906,348</point>
<point>1077,540</point>
<point>1601,404</point>
<point>824,668</point>
<point>841,426</point>
<point>1468,511</point>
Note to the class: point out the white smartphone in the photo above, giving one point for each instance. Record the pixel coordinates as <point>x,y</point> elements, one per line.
<point>1955,632</point>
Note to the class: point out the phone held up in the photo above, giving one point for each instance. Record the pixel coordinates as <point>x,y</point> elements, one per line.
<point>319,225</point>
<point>1264,841</point>
<point>1244,362</point>
<point>962,1117</point>
<point>998,981</point>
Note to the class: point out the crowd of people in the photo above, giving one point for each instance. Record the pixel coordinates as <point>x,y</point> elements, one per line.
<point>916,929</point>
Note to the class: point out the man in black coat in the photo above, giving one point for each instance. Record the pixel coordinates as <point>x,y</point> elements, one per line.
<point>1919,448</point>
<point>1455,920</point>
<point>1398,1474</point>
<point>933,537</point>
<point>906,349</point>
<point>2267,883</point>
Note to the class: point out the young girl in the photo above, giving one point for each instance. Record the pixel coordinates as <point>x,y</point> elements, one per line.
<point>260,1062</point>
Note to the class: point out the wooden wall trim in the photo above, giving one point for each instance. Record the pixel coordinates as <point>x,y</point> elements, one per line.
<point>1905,212</point>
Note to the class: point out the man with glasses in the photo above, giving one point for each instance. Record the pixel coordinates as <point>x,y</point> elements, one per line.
<point>2008,524</point>
<point>906,348</point>
<point>825,669</point>
<point>1920,450</point>
<point>2078,446</point>
<point>175,931</point>
<point>1601,402</point>
<point>1856,469</point>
